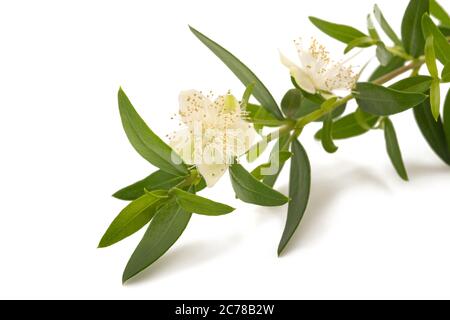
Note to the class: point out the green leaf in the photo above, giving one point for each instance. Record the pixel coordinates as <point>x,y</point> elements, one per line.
<point>131,219</point>
<point>439,13</point>
<point>339,32</point>
<point>250,190</point>
<point>441,45</point>
<point>243,73</point>
<point>383,55</point>
<point>432,130</point>
<point>299,189</point>
<point>327,139</point>
<point>164,230</point>
<point>260,116</point>
<point>447,120</point>
<point>430,57</point>
<point>280,146</point>
<point>147,143</point>
<point>393,149</point>
<point>412,35</point>
<point>446,73</point>
<point>362,42</point>
<point>196,204</point>
<point>383,101</point>
<point>291,103</point>
<point>419,84</point>
<point>435,98</point>
<point>373,33</point>
<point>395,63</point>
<point>386,27</point>
<point>349,126</point>
<point>158,180</point>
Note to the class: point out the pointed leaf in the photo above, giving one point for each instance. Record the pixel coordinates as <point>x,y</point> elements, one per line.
<point>131,219</point>
<point>276,159</point>
<point>441,45</point>
<point>435,98</point>
<point>420,84</point>
<point>327,139</point>
<point>299,189</point>
<point>250,190</point>
<point>339,32</point>
<point>164,230</point>
<point>243,73</point>
<point>430,57</point>
<point>196,204</point>
<point>259,116</point>
<point>383,101</point>
<point>413,39</point>
<point>386,27</point>
<point>432,130</point>
<point>383,55</point>
<point>393,149</point>
<point>147,143</point>
<point>158,180</point>
<point>362,42</point>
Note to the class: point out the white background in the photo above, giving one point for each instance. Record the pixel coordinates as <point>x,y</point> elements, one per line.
<point>366,234</point>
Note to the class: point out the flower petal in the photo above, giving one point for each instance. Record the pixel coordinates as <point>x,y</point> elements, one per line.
<point>303,80</point>
<point>212,172</point>
<point>182,143</point>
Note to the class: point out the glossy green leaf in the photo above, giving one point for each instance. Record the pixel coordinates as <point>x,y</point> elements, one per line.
<point>132,218</point>
<point>437,11</point>
<point>386,26</point>
<point>447,120</point>
<point>291,103</point>
<point>260,116</point>
<point>339,32</point>
<point>280,146</point>
<point>243,73</point>
<point>327,139</point>
<point>158,180</point>
<point>430,57</point>
<point>195,204</point>
<point>432,130</point>
<point>164,230</point>
<point>362,42</point>
<point>413,39</point>
<point>393,148</point>
<point>441,45</point>
<point>445,76</point>
<point>435,98</point>
<point>383,101</point>
<point>383,55</point>
<point>395,63</point>
<point>251,190</point>
<point>299,189</point>
<point>419,84</point>
<point>147,143</point>
<point>349,126</point>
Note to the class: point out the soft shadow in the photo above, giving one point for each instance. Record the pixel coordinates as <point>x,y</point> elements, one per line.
<point>327,185</point>
<point>184,257</point>
<point>421,170</point>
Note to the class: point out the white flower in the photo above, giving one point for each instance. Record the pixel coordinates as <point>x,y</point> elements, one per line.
<point>317,72</point>
<point>214,133</point>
